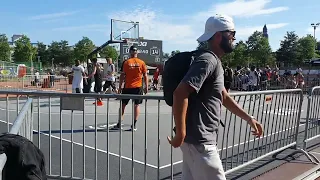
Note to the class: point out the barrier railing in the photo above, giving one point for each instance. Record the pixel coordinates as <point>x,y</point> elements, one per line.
<point>22,125</point>
<point>312,126</point>
<point>279,111</point>
<point>79,142</point>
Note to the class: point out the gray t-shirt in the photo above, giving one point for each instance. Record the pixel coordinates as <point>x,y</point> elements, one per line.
<point>204,108</point>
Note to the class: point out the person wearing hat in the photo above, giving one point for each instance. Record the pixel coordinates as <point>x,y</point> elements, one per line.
<point>197,104</point>
<point>132,72</point>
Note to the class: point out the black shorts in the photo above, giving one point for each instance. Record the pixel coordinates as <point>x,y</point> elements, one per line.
<point>107,84</point>
<point>97,86</point>
<point>134,91</point>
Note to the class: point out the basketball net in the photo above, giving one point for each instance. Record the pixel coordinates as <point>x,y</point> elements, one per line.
<point>129,42</point>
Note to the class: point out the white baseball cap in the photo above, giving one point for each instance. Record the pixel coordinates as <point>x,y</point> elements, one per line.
<point>215,24</point>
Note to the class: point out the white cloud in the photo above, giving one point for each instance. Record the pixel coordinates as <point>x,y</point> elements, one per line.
<point>241,8</point>
<point>89,27</point>
<point>182,33</point>
<point>153,26</point>
<point>52,16</point>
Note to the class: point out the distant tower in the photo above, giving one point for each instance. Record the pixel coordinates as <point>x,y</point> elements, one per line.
<point>265,31</point>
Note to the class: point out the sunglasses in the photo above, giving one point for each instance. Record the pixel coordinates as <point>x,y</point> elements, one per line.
<point>230,33</point>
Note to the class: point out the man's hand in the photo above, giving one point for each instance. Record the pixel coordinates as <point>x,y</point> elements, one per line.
<point>145,90</point>
<point>256,126</point>
<point>177,140</point>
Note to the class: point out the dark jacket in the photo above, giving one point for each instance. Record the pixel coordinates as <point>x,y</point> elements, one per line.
<point>24,160</point>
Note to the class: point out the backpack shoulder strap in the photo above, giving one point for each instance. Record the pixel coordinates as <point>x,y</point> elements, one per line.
<point>201,51</point>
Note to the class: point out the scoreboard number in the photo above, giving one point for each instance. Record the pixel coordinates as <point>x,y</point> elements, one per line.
<point>157,59</point>
<point>154,51</point>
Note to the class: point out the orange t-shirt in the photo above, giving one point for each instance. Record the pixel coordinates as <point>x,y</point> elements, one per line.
<point>133,69</point>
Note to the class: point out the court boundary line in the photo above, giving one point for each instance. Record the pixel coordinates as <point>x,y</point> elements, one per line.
<point>92,148</point>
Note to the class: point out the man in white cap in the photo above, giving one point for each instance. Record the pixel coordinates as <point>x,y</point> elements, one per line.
<point>197,105</point>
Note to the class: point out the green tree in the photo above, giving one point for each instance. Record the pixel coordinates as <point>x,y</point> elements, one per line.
<point>288,51</point>
<point>83,48</point>
<point>23,50</point>
<point>44,54</point>
<point>4,48</point>
<point>259,49</point>
<point>228,59</point>
<point>240,55</point>
<point>306,48</point>
<point>109,52</point>
<point>60,53</point>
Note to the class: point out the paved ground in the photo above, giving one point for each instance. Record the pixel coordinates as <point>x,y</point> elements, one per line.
<point>280,114</point>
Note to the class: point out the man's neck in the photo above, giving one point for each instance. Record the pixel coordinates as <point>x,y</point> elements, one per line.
<point>217,51</point>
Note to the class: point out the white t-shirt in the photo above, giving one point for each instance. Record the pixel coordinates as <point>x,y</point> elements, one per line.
<point>37,75</point>
<point>77,81</point>
<point>110,69</point>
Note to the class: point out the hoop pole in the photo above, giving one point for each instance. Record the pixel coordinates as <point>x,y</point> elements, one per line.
<point>111,35</point>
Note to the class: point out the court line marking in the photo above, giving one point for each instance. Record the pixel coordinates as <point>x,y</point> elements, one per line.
<point>100,150</point>
<point>232,146</point>
<point>140,162</point>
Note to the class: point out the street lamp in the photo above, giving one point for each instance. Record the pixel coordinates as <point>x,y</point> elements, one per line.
<point>315,25</point>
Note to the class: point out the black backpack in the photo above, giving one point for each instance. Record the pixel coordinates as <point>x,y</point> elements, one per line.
<point>175,69</point>
<point>24,159</point>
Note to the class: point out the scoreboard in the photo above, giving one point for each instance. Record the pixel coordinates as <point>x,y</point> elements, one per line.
<point>150,51</point>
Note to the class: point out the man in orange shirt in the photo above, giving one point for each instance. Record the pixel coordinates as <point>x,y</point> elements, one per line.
<point>132,71</point>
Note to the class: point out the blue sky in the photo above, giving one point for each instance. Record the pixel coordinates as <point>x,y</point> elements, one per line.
<point>178,23</point>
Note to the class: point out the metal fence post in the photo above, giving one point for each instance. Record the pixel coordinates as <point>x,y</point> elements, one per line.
<point>307,121</point>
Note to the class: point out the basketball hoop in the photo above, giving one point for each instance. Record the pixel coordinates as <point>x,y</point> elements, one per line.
<point>129,42</point>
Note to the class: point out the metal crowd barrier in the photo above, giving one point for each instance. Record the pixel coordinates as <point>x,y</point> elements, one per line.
<point>22,125</point>
<point>279,112</point>
<point>312,127</point>
<point>76,139</point>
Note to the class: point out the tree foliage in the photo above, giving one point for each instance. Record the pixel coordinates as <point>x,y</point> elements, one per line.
<point>306,48</point>
<point>4,48</point>
<point>83,48</point>
<point>60,53</point>
<point>259,49</point>
<point>43,54</point>
<point>288,51</point>
<point>23,50</point>
<point>109,52</point>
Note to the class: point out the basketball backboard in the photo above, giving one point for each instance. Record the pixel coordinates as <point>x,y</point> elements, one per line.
<point>124,30</point>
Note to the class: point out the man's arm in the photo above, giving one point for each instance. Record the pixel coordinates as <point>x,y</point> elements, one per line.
<point>94,72</point>
<point>193,80</point>
<point>233,107</point>
<point>122,76</point>
<point>145,78</point>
